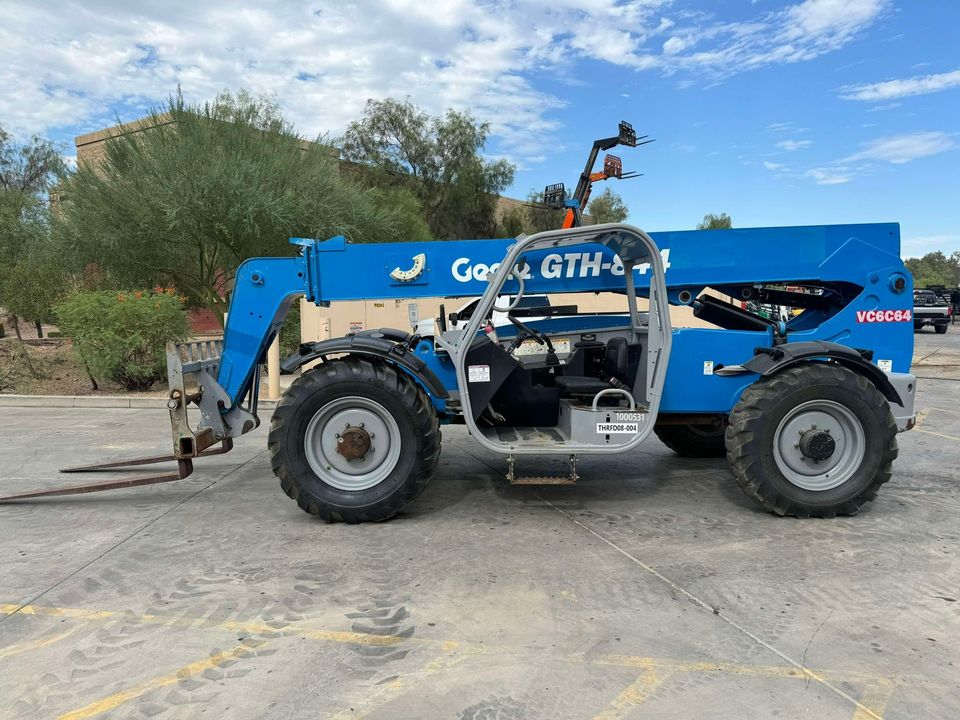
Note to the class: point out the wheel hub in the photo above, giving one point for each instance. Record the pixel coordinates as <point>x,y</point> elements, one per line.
<point>817,445</point>
<point>353,443</point>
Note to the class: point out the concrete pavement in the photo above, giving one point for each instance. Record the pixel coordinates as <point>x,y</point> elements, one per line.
<point>653,588</point>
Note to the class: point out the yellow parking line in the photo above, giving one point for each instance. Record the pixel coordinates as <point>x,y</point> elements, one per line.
<point>944,410</point>
<point>634,694</point>
<point>875,697</point>
<point>233,625</point>
<point>113,701</point>
<point>43,642</point>
<point>931,432</point>
<point>74,613</point>
<point>652,668</point>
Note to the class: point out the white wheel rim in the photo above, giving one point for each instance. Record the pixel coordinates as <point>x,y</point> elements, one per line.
<point>826,416</point>
<point>324,433</point>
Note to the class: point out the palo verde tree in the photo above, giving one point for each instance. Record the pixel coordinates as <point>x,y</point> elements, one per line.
<point>715,222</point>
<point>30,277</point>
<point>397,145</point>
<point>607,207</point>
<point>199,188</point>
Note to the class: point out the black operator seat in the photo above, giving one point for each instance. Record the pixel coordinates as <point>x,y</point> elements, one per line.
<point>615,366</point>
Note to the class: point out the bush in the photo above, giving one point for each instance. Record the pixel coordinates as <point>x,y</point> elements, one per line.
<point>121,336</point>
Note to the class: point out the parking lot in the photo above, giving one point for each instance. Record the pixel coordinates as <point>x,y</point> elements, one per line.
<point>653,588</point>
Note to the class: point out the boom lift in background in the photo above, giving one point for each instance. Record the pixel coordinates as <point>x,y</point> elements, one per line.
<point>555,196</point>
<point>806,410</point>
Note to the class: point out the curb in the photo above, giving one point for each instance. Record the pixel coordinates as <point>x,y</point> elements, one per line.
<point>96,401</point>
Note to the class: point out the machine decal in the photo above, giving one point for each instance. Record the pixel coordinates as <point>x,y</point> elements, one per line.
<point>419,263</point>
<point>478,373</point>
<point>618,428</point>
<point>554,266</point>
<point>871,316</point>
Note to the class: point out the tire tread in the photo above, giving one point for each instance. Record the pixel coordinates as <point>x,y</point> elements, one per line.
<point>760,399</point>
<point>353,368</point>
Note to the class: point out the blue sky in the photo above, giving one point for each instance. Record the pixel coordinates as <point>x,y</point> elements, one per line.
<point>776,111</point>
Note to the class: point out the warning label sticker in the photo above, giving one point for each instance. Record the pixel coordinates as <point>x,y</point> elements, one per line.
<point>478,373</point>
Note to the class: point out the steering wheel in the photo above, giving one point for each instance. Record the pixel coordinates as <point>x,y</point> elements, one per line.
<point>524,332</point>
<point>516,298</point>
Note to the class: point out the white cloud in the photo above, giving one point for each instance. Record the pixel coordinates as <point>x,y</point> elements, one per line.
<point>676,44</point>
<point>793,145</point>
<point>885,107</point>
<point>896,150</point>
<point>834,20</point>
<point>920,246</point>
<point>63,64</point>
<point>786,128</point>
<point>900,149</point>
<point>830,175</point>
<point>892,89</point>
<point>803,31</point>
<point>773,166</point>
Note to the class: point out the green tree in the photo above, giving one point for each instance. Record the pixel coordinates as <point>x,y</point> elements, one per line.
<point>607,207</point>
<point>935,268</point>
<point>411,224</point>
<point>715,222</point>
<point>32,285</point>
<point>28,171</point>
<point>203,187</point>
<point>513,222</point>
<point>396,144</point>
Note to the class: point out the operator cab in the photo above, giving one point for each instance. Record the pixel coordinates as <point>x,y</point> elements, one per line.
<point>547,379</point>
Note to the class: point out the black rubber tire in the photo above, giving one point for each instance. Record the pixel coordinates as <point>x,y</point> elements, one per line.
<point>754,421</point>
<point>941,329</point>
<point>693,441</point>
<point>407,403</point>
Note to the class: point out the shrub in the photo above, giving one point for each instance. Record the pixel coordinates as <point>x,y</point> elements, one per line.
<point>121,336</point>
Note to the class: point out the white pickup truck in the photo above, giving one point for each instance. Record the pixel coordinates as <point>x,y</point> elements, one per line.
<point>928,309</point>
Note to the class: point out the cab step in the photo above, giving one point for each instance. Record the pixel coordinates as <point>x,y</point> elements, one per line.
<point>515,479</point>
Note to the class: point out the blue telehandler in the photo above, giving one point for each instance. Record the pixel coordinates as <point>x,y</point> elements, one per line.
<point>806,405</point>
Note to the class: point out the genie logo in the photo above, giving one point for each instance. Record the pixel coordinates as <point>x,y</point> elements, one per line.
<point>873,316</point>
<point>555,266</point>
